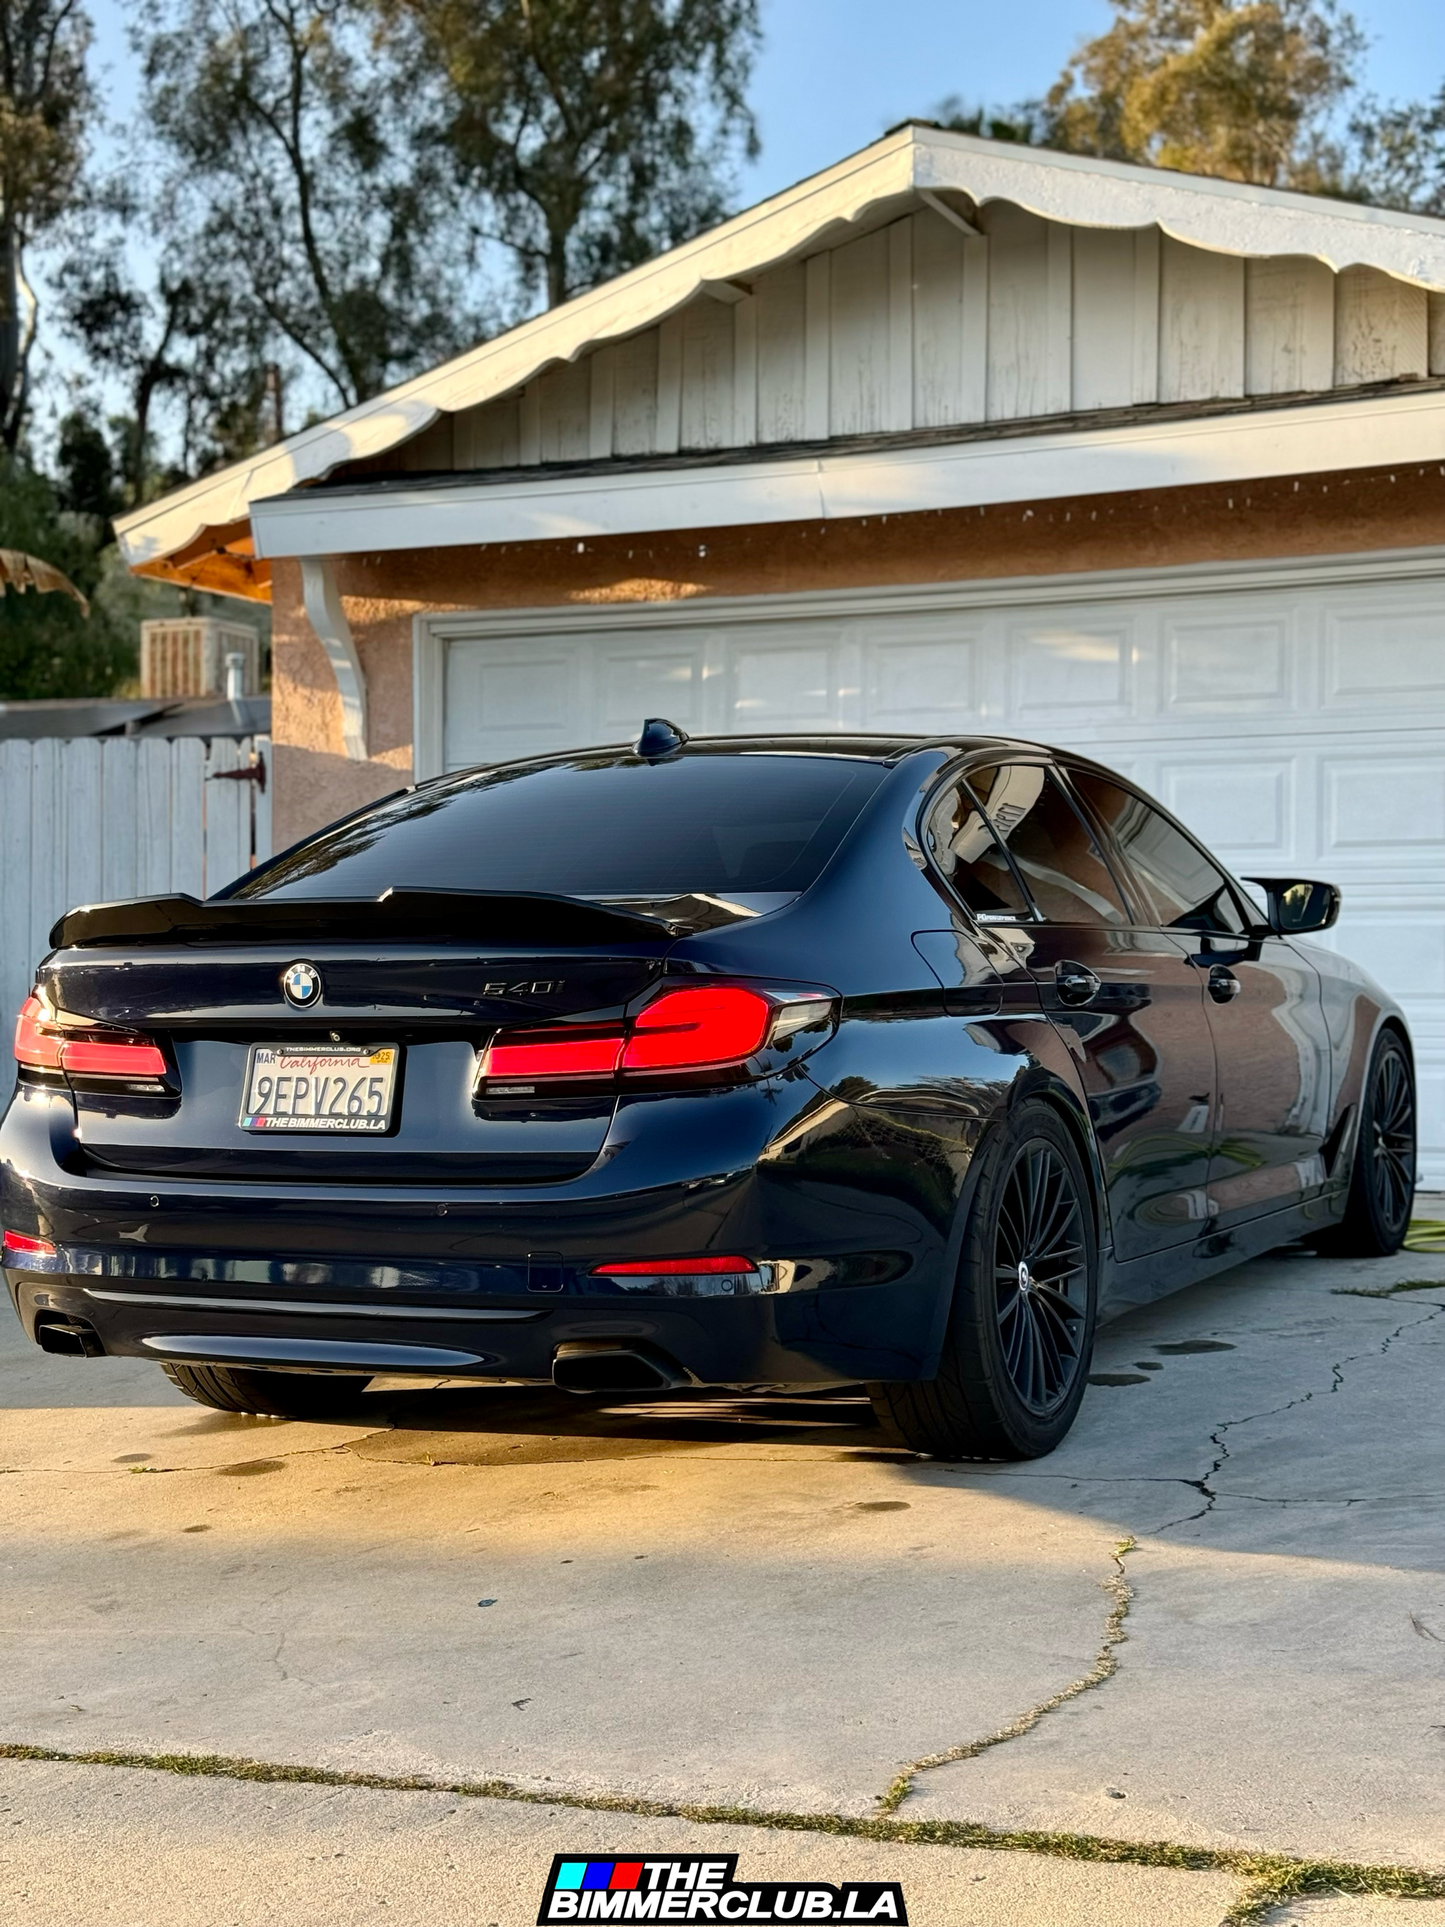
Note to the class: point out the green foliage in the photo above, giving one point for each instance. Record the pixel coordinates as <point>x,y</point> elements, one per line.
<point>1400,155</point>
<point>307,193</point>
<point>1240,89</point>
<point>47,646</point>
<point>45,106</point>
<point>1244,90</point>
<point>596,132</point>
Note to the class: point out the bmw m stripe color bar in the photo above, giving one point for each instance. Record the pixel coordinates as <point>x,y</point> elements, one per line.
<point>688,1886</point>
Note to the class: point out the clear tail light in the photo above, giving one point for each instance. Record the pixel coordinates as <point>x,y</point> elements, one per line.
<point>41,1043</point>
<point>700,1028</point>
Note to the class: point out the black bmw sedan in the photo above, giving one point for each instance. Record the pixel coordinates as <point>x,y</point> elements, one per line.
<point>748,1062</point>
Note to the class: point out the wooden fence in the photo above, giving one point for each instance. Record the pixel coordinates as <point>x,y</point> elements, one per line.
<point>87,820</point>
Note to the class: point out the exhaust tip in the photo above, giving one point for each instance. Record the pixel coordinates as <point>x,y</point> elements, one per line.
<point>599,1365</point>
<point>69,1338</point>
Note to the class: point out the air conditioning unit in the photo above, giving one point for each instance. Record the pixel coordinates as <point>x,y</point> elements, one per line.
<point>186,656</point>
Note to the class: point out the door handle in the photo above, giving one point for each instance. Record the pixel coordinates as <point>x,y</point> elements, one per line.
<point>1223,985</point>
<point>1076,983</point>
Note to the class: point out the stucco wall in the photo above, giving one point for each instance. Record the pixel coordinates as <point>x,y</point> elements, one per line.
<point>1316,515</point>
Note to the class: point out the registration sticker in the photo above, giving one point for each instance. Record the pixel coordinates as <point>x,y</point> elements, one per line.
<point>319,1087</point>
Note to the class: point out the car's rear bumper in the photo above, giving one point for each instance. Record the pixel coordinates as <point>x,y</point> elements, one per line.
<point>823,1336</point>
<point>481,1282</point>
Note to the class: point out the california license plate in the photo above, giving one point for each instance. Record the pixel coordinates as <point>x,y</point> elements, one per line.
<point>319,1088</point>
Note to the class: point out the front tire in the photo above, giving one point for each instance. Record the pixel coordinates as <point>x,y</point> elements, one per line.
<point>1021,1330</point>
<point>1382,1177</point>
<point>300,1395</point>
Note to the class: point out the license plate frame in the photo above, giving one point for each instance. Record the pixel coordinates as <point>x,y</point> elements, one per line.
<point>358,1070</point>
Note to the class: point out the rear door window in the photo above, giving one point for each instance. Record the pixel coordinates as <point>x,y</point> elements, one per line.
<point>1184,887</point>
<point>1053,849</point>
<point>972,861</point>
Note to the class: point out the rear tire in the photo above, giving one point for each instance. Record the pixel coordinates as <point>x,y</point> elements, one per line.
<point>1021,1330</point>
<point>303,1395</point>
<point>1382,1177</point>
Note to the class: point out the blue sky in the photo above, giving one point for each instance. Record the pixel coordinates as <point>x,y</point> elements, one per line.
<point>835,73</point>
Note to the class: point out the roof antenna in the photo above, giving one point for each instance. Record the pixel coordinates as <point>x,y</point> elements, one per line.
<point>659,738</point>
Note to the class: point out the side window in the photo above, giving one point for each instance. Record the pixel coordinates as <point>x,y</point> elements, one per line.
<point>1170,871</point>
<point>969,855</point>
<point>1052,848</point>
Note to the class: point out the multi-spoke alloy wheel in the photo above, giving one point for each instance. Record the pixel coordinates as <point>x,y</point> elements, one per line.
<point>1382,1178</point>
<point>1015,1357</point>
<point>1040,1286</point>
<point>1392,1138</point>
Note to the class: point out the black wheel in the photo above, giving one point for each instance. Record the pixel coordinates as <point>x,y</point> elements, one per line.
<point>230,1388</point>
<point>1021,1331</point>
<point>1382,1178</point>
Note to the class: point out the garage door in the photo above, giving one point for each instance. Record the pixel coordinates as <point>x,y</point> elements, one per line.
<point>1294,717</point>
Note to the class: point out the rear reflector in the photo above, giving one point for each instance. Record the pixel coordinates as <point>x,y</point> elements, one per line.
<point>21,1246</point>
<point>671,1267</point>
<point>45,1045</point>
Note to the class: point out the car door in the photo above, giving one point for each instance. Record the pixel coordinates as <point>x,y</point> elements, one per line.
<point>1263,1001</point>
<point>1019,854</point>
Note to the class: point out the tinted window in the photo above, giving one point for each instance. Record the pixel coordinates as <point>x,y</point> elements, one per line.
<point>963,845</point>
<point>1062,866</point>
<point>1169,870</point>
<point>609,826</point>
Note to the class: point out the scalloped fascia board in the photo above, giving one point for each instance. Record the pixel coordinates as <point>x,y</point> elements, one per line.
<point>1222,215</point>
<point>1397,429</point>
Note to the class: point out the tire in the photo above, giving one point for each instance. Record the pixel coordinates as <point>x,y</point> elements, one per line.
<point>1016,1355</point>
<point>1382,1177</point>
<point>303,1395</point>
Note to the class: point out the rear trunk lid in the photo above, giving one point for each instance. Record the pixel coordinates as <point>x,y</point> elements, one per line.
<point>209,989</point>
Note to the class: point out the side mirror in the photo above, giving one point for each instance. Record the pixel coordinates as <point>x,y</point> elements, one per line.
<point>1297,905</point>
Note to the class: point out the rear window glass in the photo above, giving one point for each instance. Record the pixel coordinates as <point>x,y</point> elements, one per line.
<point>719,825</point>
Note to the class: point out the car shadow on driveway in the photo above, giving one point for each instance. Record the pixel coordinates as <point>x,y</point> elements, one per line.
<point>508,1425</point>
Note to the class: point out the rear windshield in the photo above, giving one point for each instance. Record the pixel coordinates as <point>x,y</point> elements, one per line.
<point>721,825</point>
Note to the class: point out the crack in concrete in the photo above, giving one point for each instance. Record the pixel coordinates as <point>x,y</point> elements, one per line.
<point>1106,1664</point>
<point>1206,1486</point>
<point>1272,1877</point>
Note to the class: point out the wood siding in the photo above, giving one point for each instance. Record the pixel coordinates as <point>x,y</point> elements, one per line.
<point>922,325</point>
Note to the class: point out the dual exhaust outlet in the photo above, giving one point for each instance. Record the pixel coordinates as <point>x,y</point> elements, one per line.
<point>580,1364</point>
<point>602,1365</point>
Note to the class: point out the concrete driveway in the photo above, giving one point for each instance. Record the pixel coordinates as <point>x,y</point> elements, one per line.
<point>1171,1674</point>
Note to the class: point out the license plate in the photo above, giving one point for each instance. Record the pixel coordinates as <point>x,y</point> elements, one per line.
<point>319,1088</point>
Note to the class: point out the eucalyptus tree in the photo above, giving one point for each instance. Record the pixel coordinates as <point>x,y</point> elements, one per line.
<point>594,133</point>
<point>46,105</point>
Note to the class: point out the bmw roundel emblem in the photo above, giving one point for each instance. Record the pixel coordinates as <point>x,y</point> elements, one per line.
<point>302,985</point>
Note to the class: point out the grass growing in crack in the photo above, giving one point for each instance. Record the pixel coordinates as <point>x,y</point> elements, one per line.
<point>1106,1664</point>
<point>1271,1879</point>
<point>1387,1291</point>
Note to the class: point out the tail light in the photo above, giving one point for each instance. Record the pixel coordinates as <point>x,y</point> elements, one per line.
<point>17,1244</point>
<point>84,1051</point>
<point>672,1267</point>
<point>724,1277</point>
<point>703,1027</point>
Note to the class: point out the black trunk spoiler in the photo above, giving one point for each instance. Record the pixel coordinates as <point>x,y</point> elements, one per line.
<point>400,916</point>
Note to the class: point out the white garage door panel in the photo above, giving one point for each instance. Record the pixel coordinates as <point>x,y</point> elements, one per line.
<point>1295,727</point>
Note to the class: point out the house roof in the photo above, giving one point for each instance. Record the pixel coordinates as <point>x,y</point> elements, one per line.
<point>70,716</point>
<point>906,167</point>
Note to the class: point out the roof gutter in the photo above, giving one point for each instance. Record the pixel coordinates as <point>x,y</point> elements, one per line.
<point>1174,453</point>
